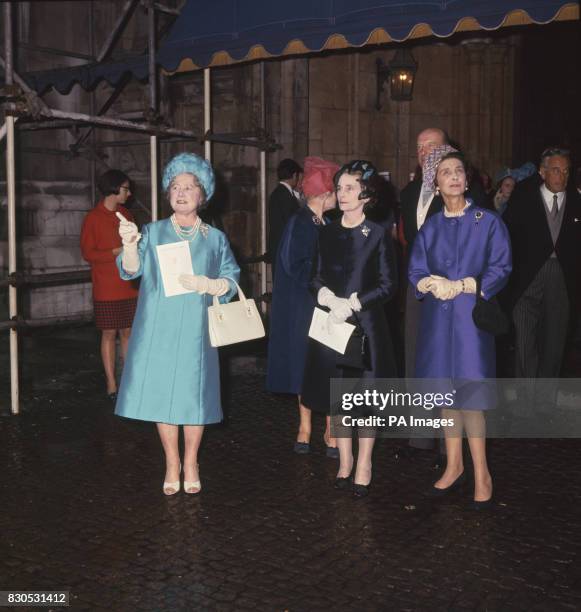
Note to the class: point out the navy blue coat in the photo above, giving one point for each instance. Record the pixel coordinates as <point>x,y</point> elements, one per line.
<point>353,260</point>
<point>292,303</point>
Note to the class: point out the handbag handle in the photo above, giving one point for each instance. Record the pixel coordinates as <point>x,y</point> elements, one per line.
<point>241,295</point>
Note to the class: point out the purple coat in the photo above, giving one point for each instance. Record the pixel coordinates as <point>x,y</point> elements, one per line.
<point>449,345</point>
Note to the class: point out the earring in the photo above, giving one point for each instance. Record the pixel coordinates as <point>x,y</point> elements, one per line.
<point>437,191</point>
<point>466,188</point>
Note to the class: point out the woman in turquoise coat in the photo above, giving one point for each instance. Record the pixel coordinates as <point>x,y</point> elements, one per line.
<point>171,375</point>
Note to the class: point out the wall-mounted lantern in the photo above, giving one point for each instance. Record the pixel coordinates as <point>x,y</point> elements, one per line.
<point>401,74</point>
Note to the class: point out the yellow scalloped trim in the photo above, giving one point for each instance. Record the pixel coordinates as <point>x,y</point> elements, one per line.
<point>517,17</point>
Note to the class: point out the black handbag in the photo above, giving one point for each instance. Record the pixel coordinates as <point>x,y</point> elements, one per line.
<point>487,314</point>
<point>356,356</point>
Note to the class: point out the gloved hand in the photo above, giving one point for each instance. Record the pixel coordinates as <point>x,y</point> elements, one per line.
<point>129,237</point>
<point>341,308</point>
<point>425,284</point>
<point>202,284</point>
<point>128,231</point>
<point>445,289</point>
<point>469,285</point>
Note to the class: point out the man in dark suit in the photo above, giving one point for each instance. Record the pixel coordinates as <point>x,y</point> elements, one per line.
<point>283,202</point>
<point>544,222</point>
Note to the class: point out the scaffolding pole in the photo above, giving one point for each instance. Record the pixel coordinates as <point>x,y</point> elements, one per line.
<point>147,128</point>
<point>153,109</point>
<point>262,187</point>
<point>11,197</point>
<point>122,20</point>
<point>207,114</point>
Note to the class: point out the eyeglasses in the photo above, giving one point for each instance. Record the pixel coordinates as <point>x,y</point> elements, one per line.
<point>127,189</point>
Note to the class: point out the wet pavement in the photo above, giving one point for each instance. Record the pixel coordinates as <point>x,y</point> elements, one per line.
<point>82,510</point>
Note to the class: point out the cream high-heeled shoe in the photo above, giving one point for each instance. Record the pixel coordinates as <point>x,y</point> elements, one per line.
<point>171,488</point>
<point>194,484</point>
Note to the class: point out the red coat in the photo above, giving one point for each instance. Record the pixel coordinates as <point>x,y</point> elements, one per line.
<point>99,236</point>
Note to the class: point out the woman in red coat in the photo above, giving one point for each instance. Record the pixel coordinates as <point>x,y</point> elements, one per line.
<point>114,299</point>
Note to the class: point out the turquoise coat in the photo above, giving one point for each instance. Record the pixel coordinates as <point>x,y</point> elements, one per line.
<point>171,374</point>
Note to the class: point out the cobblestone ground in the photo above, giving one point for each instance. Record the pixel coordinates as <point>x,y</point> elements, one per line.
<point>82,510</point>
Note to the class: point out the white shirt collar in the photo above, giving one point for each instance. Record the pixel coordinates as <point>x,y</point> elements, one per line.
<point>422,210</point>
<point>548,197</point>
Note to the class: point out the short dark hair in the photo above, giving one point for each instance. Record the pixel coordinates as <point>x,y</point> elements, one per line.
<point>110,182</point>
<point>367,177</point>
<point>554,151</point>
<point>460,157</point>
<point>287,169</point>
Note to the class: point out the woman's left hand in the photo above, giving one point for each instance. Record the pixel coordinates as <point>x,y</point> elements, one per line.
<point>202,284</point>
<point>445,289</point>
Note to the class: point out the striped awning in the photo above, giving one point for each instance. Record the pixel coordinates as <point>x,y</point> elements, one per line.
<point>223,32</point>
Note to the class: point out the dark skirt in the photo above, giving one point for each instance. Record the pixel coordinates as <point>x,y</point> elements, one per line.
<point>115,314</point>
<point>321,364</point>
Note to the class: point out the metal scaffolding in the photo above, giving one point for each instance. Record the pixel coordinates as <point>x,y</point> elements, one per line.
<point>22,104</point>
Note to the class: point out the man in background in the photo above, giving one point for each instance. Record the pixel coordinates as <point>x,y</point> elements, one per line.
<point>283,202</point>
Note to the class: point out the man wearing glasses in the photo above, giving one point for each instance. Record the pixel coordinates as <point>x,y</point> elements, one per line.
<point>545,229</point>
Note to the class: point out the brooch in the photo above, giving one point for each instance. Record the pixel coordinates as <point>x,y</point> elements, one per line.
<point>478,215</point>
<point>204,230</point>
<point>316,221</point>
<point>365,231</point>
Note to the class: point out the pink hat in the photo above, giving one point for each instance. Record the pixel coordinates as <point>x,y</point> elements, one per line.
<point>318,176</point>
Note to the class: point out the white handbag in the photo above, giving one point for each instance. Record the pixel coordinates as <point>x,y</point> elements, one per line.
<point>234,322</point>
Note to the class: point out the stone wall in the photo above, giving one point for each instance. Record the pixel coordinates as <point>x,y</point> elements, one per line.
<point>319,105</point>
<point>49,224</point>
<point>465,89</point>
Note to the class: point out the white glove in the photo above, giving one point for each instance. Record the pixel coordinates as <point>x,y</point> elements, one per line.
<point>202,284</point>
<point>445,289</point>
<point>341,308</point>
<point>130,258</point>
<point>127,230</point>
<point>425,284</point>
<point>469,285</point>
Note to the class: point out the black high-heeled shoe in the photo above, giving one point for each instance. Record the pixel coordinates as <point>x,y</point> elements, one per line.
<point>480,506</point>
<point>435,492</point>
<point>360,490</point>
<point>342,484</point>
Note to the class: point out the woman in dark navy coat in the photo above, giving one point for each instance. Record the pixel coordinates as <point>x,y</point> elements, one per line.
<point>354,277</point>
<point>292,302</point>
<point>453,248</point>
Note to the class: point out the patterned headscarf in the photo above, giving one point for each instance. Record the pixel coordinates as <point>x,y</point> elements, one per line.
<point>431,165</point>
<point>190,164</point>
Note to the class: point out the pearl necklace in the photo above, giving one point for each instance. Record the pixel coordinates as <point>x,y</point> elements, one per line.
<point>185,234</point>
<point>456,213</point>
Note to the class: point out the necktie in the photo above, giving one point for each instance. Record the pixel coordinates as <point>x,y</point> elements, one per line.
<point>555,209</point>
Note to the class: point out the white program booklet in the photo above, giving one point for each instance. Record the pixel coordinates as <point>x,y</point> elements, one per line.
<point>174,259</point>
<point>333,335</point>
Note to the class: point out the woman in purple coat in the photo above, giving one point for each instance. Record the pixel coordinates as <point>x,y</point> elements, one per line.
<point>453,249</point>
